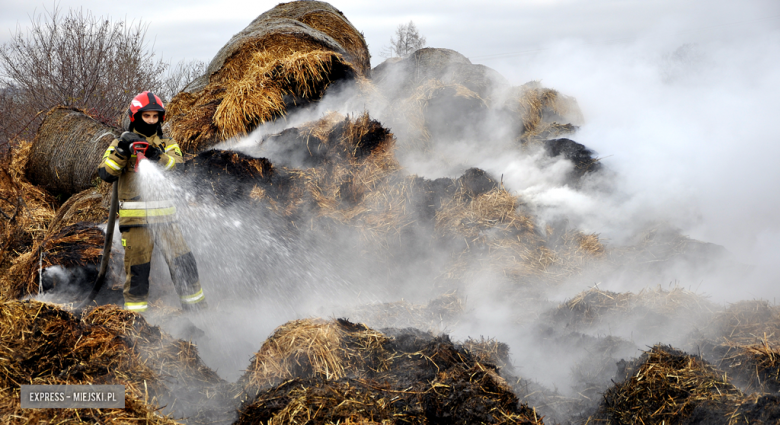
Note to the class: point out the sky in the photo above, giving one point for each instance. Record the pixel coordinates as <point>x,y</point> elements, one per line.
<point>699,149</point>
<point>488,32</point>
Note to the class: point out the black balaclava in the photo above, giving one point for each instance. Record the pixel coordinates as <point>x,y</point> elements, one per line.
<point>144,128</point>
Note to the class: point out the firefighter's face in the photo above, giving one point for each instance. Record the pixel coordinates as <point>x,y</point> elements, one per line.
<point>150,117</point>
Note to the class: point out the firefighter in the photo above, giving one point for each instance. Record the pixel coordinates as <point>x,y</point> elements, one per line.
<point>149,219</point>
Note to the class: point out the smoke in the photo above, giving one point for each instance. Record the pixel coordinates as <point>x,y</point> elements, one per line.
<point>683,131</point>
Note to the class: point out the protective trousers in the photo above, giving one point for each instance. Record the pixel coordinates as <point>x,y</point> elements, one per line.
<point>139,243</point>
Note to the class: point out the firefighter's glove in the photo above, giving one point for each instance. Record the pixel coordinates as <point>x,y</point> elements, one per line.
<point>123,147</point>
<point>153,153</point>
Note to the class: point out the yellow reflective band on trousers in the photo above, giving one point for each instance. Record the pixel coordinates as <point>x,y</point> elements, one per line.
<point>151,212</point>
<point>141,306</point>
<point>194,298</point>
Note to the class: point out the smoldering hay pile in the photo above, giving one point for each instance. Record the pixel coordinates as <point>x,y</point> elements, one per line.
<point>42,344</point>
<point>339,174</point>
<point>341,372</point>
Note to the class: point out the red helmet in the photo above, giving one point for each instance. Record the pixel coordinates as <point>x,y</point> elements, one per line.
<point>146,101</point>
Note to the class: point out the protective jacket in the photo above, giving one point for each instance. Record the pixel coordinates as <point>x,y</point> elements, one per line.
<point>136,209</point>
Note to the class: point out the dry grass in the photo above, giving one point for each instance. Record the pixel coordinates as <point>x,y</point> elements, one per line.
<point>26,213</point>
<point>257,83</point>
<point>664,386</point>
<point>41,344</point>
<point>311,348</point>
<point>340,372</point>
<point>259,94</point>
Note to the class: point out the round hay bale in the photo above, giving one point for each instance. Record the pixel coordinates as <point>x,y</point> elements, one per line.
<point>438,94</point>
<point>67,150</point>
<point>285,58</point>
<point>445,65</point>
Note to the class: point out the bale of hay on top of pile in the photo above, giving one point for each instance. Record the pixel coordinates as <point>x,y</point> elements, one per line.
<point>41,344</point>
<point>436,94</point>
<point>67,151</point>
<point>323,372</point>
<point>439,95</point>
<point>401,77</point>
<point>325,18</point>
<point>285,58</point>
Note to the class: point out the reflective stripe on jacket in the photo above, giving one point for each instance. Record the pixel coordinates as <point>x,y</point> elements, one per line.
<point>114,166</point>
<point>146,209</point>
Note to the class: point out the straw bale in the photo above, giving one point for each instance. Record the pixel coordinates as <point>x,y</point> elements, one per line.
<point>67,150</point>
<point>666,385</point>
<point>406,376</point>
<point>400,78</point>
<point>288,18</point>
<point>325,18</point>
<point>276,63</point>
